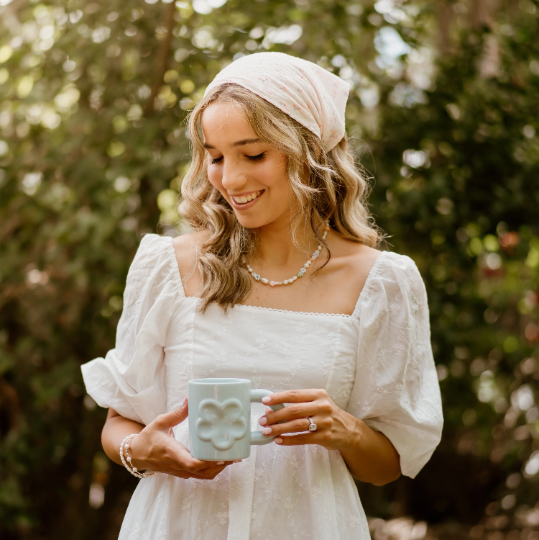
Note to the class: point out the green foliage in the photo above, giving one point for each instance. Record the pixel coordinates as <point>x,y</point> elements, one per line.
<point>443,112</point>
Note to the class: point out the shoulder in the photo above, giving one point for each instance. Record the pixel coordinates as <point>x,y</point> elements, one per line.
<point>376,276</point>
<point>394,284</point>
<point>187,246</point>
<point>187,242</point>
<point>152,270</point>
<point>352,261</point>
<point>363,260</point>
<point>152,251</point>
<point>359,257</point>
<point>401,269</point>
<point>343,277</point>
<point>186,249</point>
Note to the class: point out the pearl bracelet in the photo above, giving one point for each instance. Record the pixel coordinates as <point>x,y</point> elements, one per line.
<point>126,459</point>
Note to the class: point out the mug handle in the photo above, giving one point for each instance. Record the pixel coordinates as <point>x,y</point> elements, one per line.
<point>257,437</point>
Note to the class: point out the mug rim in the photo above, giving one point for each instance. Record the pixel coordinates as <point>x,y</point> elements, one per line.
<point>219,380</point>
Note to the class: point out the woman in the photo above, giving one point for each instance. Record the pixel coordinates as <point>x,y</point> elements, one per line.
<point>343,338</point>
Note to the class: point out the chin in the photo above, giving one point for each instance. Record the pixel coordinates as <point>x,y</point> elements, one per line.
<point>251,222</point>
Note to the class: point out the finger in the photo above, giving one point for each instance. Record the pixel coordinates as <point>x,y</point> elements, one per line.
<point>293,426</point>
<point>178,453</point>
<point>173,418</point>
<point>296,440</point>
<point>212,476</point>
<point>197,466</point>
<point>176,469</point>
<point>291,412</point>
<point>214,464</point>
<point>187,475</point>
<point>293,396</point>
<point>205,474</point>
<point>211,471</point>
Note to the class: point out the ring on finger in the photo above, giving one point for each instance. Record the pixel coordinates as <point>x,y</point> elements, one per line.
<point>312,425</point>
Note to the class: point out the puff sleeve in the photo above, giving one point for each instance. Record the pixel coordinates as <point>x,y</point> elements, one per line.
<point>131,377</point>
<point>396,390</point>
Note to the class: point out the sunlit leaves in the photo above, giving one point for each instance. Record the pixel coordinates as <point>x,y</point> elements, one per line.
<point>5,53</point>
<point>116,148</point>
<point>30,182</point>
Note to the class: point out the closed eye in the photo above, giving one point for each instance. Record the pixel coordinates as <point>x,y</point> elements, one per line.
<point>258,157</point>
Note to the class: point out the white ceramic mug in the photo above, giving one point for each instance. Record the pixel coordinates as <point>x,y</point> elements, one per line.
<point>220,417</point>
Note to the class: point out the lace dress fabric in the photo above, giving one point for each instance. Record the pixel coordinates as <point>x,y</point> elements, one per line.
<point>376,364</point>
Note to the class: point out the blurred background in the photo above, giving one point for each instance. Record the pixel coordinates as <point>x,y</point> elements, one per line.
<point>443,113</point>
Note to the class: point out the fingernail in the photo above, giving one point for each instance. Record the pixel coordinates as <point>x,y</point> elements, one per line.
<point>220,463</point>
<point>266,430</point>
<point>278,440</point>
<point>184,401</point>
<point>268,410</point>
<point>263,421</point>
<point>237,461</point>
<point>266,399</point>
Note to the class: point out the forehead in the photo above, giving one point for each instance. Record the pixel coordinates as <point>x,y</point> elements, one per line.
<point>225,122</point>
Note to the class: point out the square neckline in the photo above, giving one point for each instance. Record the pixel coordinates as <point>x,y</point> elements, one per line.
<point>277,310</point>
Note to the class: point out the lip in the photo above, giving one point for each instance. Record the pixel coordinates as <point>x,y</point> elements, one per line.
<point>246,205</point>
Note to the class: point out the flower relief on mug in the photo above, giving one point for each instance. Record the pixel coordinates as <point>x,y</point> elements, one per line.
<point>221,423</point>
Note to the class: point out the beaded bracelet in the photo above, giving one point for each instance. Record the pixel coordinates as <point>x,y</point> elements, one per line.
<point>126,459</point>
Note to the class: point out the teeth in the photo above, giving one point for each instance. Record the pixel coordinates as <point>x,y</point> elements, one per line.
<point>247,198</point>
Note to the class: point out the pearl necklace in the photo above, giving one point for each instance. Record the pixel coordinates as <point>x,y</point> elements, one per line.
<point>301,273</point>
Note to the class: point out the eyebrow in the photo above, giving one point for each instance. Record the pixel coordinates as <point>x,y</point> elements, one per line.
<point>237,143</point>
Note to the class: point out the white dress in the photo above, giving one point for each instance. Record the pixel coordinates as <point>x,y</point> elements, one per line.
<point>376,364</point>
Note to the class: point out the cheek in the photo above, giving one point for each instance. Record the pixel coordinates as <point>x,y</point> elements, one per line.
<point>215,177</point>
<point>275,175</point>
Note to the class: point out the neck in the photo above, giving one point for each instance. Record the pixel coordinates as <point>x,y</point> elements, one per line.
<point>275,246</point>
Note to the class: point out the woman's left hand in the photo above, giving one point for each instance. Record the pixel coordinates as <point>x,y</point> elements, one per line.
<point>336,429</point>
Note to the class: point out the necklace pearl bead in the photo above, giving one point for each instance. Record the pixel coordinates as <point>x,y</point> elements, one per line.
<point>301,273</point>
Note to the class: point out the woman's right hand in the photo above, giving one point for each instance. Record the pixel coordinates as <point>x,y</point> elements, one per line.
<point>156,449</point>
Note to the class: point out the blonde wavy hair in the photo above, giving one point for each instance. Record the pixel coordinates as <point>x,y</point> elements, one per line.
<point>326,185</point>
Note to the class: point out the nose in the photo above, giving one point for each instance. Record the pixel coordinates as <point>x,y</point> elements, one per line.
<point>233,176</point>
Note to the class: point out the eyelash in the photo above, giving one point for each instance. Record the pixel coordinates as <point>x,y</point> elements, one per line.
<point>250,158</point>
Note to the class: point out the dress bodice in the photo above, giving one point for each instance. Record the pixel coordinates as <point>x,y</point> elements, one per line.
<point>276,350</point>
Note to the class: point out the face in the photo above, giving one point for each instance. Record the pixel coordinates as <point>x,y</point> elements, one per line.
<point>250,174</point>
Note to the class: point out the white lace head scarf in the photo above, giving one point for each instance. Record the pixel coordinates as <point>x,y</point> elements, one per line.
<point>308,93</point>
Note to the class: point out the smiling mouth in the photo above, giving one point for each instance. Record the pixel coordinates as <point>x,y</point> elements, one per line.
<point>244,199</point>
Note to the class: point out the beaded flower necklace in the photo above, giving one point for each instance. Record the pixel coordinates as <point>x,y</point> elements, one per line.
<point>300,274</point>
